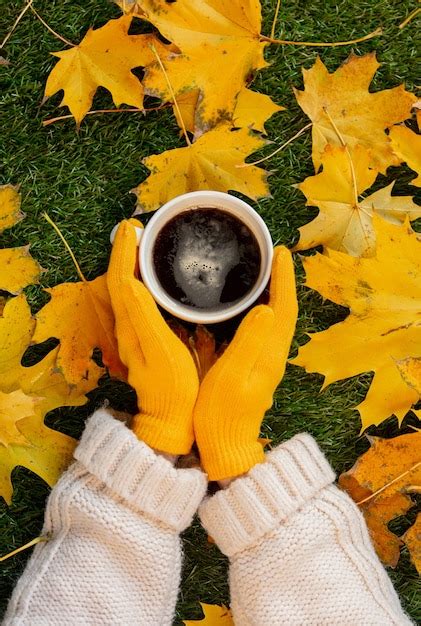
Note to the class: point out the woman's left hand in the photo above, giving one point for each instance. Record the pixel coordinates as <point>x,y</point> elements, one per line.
<point>239,387</point>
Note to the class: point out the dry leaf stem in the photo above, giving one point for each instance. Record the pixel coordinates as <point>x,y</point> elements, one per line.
<point>321,44</point>
<point>275,19</point>
<point>52,120</point>
<point>31,543</point>
<point>53,32</point>
<point>68,248</point>
<point>410,17</point>
<point>16,22</point>
<point>376,493</point>
<point>284,145</point>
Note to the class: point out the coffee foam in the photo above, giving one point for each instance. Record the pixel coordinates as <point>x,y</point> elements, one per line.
<point>207,249</point>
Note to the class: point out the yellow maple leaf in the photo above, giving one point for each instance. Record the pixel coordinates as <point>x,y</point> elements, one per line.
<point>13,407</point>
<point>187,105</point>
<point>379,482</point>
<point>81,317</point>
<point>10,213</point>
<point>361,117</point>
<point>213,616</point>
<point>252,110</point>
<point>209,163</point>
<point>412,539</point>
<point>345,221</point>
<point>220,44</point>
<point>130,7</point>
<point>383,294</point>
<point>104,58</point>
<point>407,146</point>
<point>17,268</point>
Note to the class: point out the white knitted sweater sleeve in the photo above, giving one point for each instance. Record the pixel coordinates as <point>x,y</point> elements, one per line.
<point>299,549</point>
<point>114,520</point>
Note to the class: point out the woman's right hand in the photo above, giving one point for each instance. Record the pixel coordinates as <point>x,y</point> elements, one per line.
<point>161,368</point>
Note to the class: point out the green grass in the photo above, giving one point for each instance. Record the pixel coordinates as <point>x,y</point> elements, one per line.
<point>83,181</point>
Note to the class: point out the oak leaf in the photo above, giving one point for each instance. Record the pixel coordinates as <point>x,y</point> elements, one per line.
<point>383,294</point>
<point>360,116</point>
<point>36,390</point>
<point>104,58</point>
<point>211,162</point>
<point>407,146</point>
<point>379,482</point>
<point>220,47</point>
<point>81,317</point>
<point>213,616</point>
<point>13,407</point>
<point>345,220</point>
<point>46,452</point>
<point>17,268</point>
<point>42,380</point>
<point>16,330</point>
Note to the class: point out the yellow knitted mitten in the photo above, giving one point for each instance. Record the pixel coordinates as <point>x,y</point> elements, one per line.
<point>239,388</point>
<point>161,369</point>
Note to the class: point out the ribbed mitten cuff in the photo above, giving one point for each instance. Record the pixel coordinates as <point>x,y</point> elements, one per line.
<point>174,437</point>
<point>221,461</point>
<point>269,494</point>
<point>145,480</point>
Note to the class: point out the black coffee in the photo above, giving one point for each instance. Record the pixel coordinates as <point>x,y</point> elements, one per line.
<point>206,258</point>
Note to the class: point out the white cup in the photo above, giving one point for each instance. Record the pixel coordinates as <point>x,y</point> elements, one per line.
<point>196,200</point>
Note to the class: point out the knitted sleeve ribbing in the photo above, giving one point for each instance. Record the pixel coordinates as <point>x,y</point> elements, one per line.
<point>113,522</point>
<point>299,549</point>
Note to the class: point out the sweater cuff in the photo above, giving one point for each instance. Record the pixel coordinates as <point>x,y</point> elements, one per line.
<point>268,495</point>
<point>133,472</point>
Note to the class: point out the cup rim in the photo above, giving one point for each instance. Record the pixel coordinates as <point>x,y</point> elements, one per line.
<point>196,200</point>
